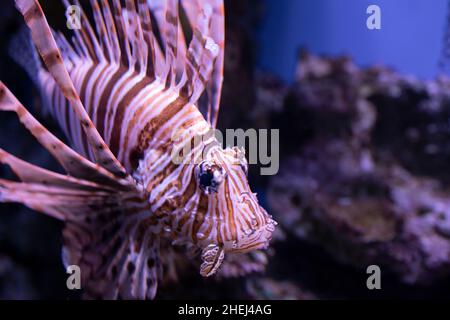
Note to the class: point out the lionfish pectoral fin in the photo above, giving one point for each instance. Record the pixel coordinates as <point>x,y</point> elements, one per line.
<point>42,37</point>
<point>212,258</point>
<point>72,162</point>
<point>118,256</point>
<point>45,191</point>
<point>119,266</point>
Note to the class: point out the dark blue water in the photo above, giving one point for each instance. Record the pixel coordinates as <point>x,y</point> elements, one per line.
<point>410,39</point>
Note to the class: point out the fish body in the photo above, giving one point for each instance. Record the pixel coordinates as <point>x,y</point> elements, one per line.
<point>127,104</point>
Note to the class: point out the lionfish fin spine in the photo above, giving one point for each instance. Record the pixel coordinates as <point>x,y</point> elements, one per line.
<point>124,44</point>
<point>215,32</point>
<point>171,40</point>
<point>128,36</point>
<point>46,45</point>
<point>111,30</point>
<point>38,197</point>
<point>214,86</point>
<point>201,56</point>
<point>147,32</point>
<point>30,173</point>
<point>94,227</point>
<point>88,36</point>
<point>134,30</point>
<point>100,26</point>
<point>67,51</point>
<point>98,209</point>
<point>76,165</point>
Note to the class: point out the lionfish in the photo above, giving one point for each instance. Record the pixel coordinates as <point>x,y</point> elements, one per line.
<point>135,73</point>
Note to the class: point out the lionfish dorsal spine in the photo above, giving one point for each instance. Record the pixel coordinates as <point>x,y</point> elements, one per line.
<point>118,88</point>
<point>51,55</point>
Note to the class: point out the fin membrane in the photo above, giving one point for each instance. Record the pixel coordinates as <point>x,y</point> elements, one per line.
<point>110,232</point>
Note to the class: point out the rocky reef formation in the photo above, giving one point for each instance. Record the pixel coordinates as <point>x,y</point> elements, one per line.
<point>365,167</point>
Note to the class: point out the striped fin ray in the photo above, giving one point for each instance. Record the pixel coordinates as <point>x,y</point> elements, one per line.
<point>30,173</point>
<point>181,53</point>
<point>115,262</point>
<point>72,162</point>
<point>170,39</point>
<point>196,69</point>
<point>102,32</point>
<point>99,209</point>
<point>57,202</point>
<point>166,14</point>
<point>156,10</point>
<point>201,56</point>
<point>79,48</point>
<point>69,54</point>
<point>148,35</point>
<point>214,86</point>
<point>88,36</point>
<point>46,45</point>
<point>135,32</point>
<point>120,257</point>
<point>197,64</point>
<point>112,36</point>
<point>124,43</point>
<point>210,106</point>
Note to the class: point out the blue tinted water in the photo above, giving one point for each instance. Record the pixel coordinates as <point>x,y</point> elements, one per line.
<point>410,39</point>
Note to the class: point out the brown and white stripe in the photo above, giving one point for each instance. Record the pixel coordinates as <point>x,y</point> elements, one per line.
<point>120,97</point>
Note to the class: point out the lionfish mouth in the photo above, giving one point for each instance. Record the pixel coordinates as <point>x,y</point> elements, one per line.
<point>257,239</point>
<point>259,233</point>
<point>213,254</point>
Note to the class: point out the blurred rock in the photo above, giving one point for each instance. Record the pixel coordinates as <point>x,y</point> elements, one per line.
<point>269,289</point>
<point>365,176</point>
<point>18,285</point>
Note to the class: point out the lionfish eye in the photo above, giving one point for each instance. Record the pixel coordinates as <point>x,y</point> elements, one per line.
<point>210,176</point>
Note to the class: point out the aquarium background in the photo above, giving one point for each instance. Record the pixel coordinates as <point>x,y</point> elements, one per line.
<point>410,39</point>
<point>365,153</point>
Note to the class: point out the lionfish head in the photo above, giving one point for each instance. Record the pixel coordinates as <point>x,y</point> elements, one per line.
<point>242,225</point>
